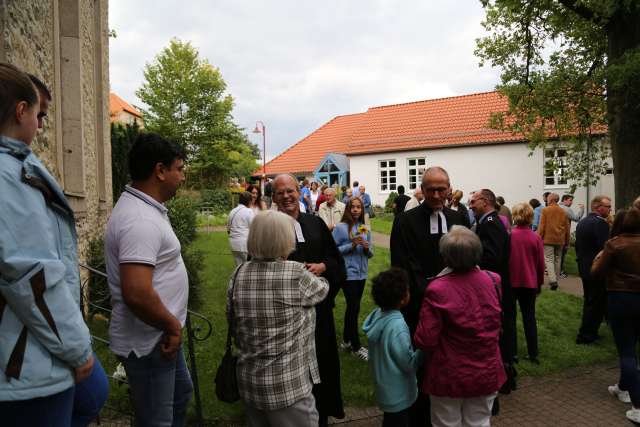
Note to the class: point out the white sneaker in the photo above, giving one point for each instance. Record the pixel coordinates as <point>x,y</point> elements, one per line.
<point>623,396</point>
<point>633,414</point>
<point>362,353</point>
<point>120,374</point>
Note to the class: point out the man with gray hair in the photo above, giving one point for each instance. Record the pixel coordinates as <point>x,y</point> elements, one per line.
<point>592,233</point>
<point>495,257</point>
<point>331,210</point>
<point>415,200</point>
<point>414,247</point>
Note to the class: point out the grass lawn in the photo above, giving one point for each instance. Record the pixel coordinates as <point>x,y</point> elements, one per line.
<point>204,220</point>
<point>382,223</point>
<point>558,321</point>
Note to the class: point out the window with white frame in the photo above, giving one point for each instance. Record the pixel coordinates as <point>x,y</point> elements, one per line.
<point>387,175</point>
<point>415,169</point>
<point>555,167</point>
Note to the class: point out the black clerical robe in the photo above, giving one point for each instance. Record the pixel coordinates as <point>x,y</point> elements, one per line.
<point>415,249</point>
<point>319,246</point>
<point>495,257</point>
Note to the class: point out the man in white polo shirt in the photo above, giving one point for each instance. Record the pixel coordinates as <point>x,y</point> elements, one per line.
<point>149,285</point>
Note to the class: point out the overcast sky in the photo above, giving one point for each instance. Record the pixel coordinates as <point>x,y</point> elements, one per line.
<point>296,64</point>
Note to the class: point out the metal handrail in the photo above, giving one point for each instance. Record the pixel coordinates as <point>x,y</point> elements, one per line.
<point>193,334</point>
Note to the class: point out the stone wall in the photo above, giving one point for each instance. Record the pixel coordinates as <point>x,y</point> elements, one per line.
<point>65,44</point>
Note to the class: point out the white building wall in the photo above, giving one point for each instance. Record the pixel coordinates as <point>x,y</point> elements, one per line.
<point>507,169</point>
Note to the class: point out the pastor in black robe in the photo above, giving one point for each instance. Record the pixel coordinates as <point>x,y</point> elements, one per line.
<point>415,249</point>
<point>318,247</point>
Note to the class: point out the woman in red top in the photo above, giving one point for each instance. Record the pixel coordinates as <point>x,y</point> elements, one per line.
<point>526,269</point>
<point>458,330</point>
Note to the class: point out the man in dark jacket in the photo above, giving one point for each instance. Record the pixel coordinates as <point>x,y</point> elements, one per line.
<point>591,234</point>
<point>414,242</point>
<point>400,201</point>
<point>495,257</point>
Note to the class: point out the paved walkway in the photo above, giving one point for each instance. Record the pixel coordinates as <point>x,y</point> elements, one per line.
<point>575,397</point>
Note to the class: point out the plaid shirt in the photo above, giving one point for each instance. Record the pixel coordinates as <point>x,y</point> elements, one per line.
<point>274,323</point>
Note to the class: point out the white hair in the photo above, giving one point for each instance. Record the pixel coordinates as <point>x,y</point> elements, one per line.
<point>461,248</point>
<point>271,235</point>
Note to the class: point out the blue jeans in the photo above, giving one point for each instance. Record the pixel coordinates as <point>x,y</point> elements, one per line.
<point>90,396</point>
<point>624,318</point>
<point>77,406</point>
<point>160,388</point>
<point>48,411</point>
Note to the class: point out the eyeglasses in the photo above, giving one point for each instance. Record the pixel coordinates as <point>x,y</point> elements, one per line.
<point>440,190</point>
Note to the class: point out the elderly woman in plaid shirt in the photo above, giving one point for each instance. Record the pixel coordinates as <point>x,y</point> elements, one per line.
<point>274,322</point>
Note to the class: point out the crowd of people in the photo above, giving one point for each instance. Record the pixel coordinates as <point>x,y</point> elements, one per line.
<point>449,372</point>
<point>441,343</point>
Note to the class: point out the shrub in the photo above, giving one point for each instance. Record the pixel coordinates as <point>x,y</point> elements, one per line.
<point>122,138</point>
<point>183,212</point>
<point>220,200</point>
<point>388,204</point>
<point>98,286</point>
<point>193,262</point>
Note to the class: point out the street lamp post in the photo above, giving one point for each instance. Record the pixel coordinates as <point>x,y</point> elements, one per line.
<point>263,131</point>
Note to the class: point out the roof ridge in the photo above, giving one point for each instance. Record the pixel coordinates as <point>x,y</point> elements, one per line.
<point>309,135</point>
<point>433,99</point>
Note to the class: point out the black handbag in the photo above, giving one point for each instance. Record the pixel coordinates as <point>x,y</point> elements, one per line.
<point>226,380</point>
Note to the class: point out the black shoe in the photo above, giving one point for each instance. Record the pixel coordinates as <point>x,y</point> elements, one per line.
<point>533,359</point>
<point>553,286</point>
<point>495,409</point>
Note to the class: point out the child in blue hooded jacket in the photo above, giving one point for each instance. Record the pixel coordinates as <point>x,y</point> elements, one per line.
<point>392,360</point>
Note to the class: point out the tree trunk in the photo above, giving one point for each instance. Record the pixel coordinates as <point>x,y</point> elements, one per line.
<point>623,108</point>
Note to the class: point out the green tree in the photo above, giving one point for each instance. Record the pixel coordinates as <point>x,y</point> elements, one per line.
<point>570,68</point>
<point>186,102</point>
<point>122,137</point>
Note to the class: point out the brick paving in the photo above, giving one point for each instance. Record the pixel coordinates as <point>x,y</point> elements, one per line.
<point>575,397</point>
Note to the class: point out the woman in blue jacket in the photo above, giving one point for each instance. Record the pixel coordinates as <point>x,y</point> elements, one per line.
<point>353,239</point>
<point>49,373</point>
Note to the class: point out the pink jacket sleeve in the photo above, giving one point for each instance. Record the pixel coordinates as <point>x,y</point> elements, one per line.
<point>539,261</point>
<point>429,324</point>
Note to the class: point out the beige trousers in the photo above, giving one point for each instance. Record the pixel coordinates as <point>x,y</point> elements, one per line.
<point>469,412</point>
<point>552,257</point>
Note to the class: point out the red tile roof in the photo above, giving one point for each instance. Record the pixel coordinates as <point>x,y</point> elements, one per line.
<point>305,156</point>
<point>444,122</point>
<point>459,120</point>
<point>117,104</point>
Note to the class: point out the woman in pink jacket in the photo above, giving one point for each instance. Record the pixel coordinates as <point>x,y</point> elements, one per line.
<point>458,330</point>
<point>526,269</point>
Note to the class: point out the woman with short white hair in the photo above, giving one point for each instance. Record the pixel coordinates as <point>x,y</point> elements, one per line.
<point>270,306</point>
<point>459,329</point>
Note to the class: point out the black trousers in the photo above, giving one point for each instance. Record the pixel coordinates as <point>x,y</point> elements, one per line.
<point>353,290</point>
<point>593,308</point>
<point>526,299</point>
<point>508,347</point>
<point>396,419</point>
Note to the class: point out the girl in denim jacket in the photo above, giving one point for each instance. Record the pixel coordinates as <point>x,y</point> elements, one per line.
<point>353,239</point>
